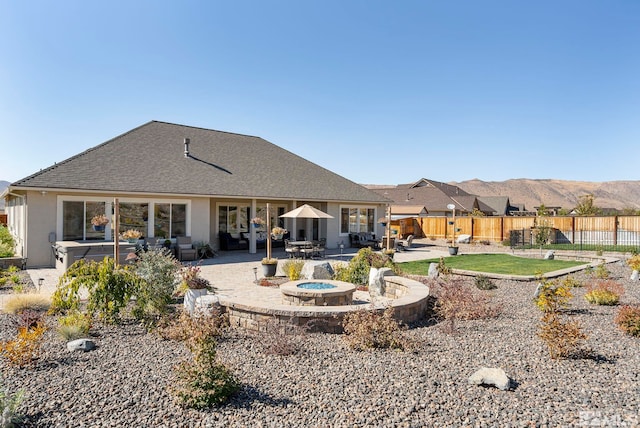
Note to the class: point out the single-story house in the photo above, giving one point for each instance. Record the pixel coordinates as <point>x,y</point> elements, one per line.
<point>173,180</point>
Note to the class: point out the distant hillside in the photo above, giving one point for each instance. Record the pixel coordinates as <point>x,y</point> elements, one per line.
<point>3,185</point>
<point>562,193</point>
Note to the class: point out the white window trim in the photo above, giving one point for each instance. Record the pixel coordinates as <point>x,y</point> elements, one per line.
<point>359,207</point>
<point>109,204</point>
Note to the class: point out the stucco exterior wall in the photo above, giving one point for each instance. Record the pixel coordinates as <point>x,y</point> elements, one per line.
<point>41,220</point>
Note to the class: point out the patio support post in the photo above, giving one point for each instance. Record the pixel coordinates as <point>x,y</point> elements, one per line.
<point>116,226</point>
<point>268,232</point>
<point>388,227</point>
<point>252,229</point>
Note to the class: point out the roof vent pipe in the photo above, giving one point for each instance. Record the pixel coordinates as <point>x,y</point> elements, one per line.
<point>186,147</point>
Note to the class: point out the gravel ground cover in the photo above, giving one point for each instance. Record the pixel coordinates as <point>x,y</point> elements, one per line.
<point>325,384</point>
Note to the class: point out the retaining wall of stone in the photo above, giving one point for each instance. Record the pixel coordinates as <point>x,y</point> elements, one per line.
<point>409,299</point>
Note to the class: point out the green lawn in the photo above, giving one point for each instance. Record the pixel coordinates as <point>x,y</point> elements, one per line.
<point>491,263</point>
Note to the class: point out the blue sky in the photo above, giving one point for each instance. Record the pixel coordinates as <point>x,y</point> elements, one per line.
<point>376,91</point>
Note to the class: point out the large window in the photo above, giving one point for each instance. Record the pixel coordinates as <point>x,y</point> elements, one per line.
<point>134,216</point>
<point>76,220</point>
<point>355,220</point>
<point>233,219</point>
<point>170,220</point>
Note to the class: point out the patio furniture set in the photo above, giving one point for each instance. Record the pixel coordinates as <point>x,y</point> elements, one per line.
<point>305,249</point>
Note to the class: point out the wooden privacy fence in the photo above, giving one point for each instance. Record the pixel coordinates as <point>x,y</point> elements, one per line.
<point>3,219</point>
<point>610,230</point>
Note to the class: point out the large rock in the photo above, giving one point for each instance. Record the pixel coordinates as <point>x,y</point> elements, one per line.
<point>433,270</point>
<point>190,298</point>
<point>205,304</point>
<point>377,286</point>
<point>536,293</point>
<point>81,345</point>
<point>464,239</point>
<point>550,255</point>
<point>317,270</point>
<point>492,377</point>
<point>634,275</point>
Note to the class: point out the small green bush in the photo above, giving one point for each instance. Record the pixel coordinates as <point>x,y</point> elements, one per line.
<point>602,272</point>
<point>484,283</point>
<point>203,382</point>
<point>109,288</point>
<point>7,244</point>
<point>604,292</point>
<point>157,268</point>
<point>9,404</point>
<point>571,282</point>
<point>366,329</point>
<point>553,297</point>
<point>293,268</point>
<point>74,325</point>
<point>628,319</point>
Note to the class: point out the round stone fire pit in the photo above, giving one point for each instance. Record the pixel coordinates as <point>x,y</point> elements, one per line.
<point>317,293</point>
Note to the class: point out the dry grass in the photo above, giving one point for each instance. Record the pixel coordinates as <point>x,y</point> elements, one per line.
<point>17,303</point>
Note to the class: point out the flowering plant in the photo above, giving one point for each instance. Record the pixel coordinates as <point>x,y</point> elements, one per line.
<point>257,220</point>
<point>190,278</point>
<point>99,220</point>
<point>131,234</point>
<point>278,231</point>
<point>268,261</point>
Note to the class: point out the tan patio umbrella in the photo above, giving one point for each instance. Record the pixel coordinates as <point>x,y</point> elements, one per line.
<point>306,211</point>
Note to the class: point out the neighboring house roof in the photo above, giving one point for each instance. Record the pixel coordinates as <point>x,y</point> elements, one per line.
<point>409,210</point>
<point>151,159</point>
<point>434,195</point>
<point>499,205</point>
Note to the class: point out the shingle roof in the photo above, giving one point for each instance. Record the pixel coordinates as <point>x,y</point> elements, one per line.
<point>431,194</point>
<point>150,159</point>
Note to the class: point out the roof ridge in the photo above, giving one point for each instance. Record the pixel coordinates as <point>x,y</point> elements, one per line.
<point>205,129</point>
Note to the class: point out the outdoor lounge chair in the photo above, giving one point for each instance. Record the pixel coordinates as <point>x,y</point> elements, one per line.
<point>405,243</point>
<point>184,248</point>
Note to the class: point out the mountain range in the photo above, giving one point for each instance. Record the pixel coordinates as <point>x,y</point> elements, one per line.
<point>557,193</point>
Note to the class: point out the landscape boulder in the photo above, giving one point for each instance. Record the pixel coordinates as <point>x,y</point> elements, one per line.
<point>550,255</point>
<point>433,270</point>
<point>204,304</point>
<point>317,270</point>
<point>464,239</point>
<point>491,377</point>
<point>377,286</point>
<point>85,345</point>
<point>634,275</point>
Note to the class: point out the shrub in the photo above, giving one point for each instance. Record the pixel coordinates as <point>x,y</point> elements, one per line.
<point>628,319</point>
<point>29,318</point>
<point>553,297</point>
<point>109,288</point>
<point>279,339</point>
<point>9,406</point>
<point>25,347</point>
<point>157,268</point>
<point>74,325</point>
<point>195,327</point>
<point>602,272</point>
<point>13,269</point>
<point>357,271</point>
<point>3,281</point>
<point>7,244</point>
<point>18,288</point>
<point>17,303</point>
<point>634,262</point>
<point>604,292</point>
<point>203,382</point>
<point>484,283</point>
<point>442,268</point>
<point>292,269</point>
<point>456,301</point>
<point>366,329</point>
<point>561,338</point>
<point>571,282</point>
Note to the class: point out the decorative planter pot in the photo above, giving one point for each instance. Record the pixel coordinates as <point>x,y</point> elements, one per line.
<point>269,271</point>
<point>190,298</point>
<point>132,241</point>
<point>453,251</point>
<point>278,236</point>
<point>99,228</point>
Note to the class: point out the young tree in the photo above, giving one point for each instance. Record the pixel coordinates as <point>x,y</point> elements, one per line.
<point>586,206</point>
